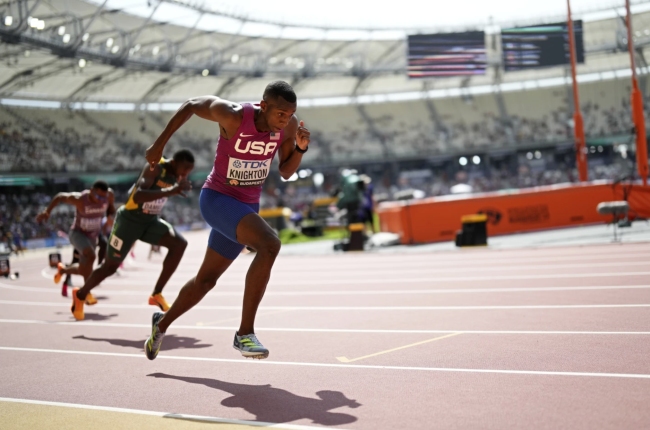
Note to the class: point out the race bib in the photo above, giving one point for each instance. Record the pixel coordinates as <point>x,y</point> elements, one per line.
<point>154,207</point>
<point>116,242</point>
<point>90,224</point>
<point>247,173</point>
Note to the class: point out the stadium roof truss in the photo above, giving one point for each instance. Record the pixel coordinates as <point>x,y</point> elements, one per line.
<point>76,51</point>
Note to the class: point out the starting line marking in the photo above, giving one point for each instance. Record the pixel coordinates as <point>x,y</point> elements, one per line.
<point>348,360</point>
<point>160,414</point>
<point>333,365</point>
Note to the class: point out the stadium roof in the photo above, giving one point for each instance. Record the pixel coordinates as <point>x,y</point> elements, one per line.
<point>142,52</point>
<point>353,20</point>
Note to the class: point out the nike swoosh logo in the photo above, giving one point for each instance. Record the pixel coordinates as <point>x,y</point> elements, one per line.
<point>245,135</point>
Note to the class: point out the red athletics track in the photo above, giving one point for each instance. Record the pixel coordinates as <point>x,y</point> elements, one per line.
<point>528,338</point>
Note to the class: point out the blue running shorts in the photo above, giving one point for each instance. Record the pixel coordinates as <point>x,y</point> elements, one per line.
<point>223,214</point>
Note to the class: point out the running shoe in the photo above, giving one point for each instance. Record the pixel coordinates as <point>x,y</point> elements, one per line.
<point>77,306</point>
<point>159,300</point>
<point>91,300</point>
<point>59,273</point>
<point>250,346</point>
<point>152,345</point>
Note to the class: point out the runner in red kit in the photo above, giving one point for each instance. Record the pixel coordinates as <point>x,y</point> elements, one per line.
<point>250,135</point>
<point>91,207</point>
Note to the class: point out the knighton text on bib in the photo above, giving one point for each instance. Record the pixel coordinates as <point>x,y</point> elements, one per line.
<point>246,173</point>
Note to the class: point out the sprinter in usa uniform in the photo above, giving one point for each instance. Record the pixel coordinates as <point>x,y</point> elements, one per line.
<point>250,135</point>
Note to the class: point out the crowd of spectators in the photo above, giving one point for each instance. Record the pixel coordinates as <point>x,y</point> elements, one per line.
<point>396,135</point>
<point>428,182</point>
<point>18,210</point>
<point>21,150</point>
<point>503,179</point>
<point>18,214</point>
<point>39,143</point>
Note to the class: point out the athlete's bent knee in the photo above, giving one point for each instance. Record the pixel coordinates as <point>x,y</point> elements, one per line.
<point>175,244</point>
<point>181,243</point>
<point>88,256</point>
<point>110,267</point>
<point>270,245</point>
<point>205,284</point>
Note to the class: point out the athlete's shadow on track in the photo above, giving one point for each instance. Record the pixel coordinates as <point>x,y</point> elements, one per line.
<point>93,316</point>
<point>171,342</point>
<point>275,405</point>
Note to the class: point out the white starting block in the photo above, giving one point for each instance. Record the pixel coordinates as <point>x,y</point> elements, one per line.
<point>618,210</point>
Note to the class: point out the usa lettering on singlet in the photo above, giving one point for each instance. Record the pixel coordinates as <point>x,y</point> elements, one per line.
<point>243,162</point>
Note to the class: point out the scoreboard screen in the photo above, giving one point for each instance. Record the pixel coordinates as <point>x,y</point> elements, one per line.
<point>446,54</point>
<point>540,46</point>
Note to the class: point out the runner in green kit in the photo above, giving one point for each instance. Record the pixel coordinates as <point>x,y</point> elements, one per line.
<point>139,219</point>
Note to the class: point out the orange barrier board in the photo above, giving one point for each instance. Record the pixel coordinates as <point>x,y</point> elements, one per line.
<point>437,219</point>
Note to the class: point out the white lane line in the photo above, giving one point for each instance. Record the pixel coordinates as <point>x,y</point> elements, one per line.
<point>372,259</point>
<point>430,279</point>
<point>124,277</point>
<point>344,308</point>
<point>111,292</point>
<point>434,262</point>
<point>424,270</point>
<point>438,279</point>
<point>332,365</point>
<point>161,414</point>
<point>441,291</point>
<point>46,274</point>
<point>66,305</point>
<point>324,330</point>
<point>353,265</point>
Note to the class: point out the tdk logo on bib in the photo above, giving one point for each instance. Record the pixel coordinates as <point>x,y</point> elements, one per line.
<point>246,173</point>
<point>255,148</point>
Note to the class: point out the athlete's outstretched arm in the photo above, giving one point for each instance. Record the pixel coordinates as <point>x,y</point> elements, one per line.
<point>207,107</point>
<point>143,194</point>
<point>65,198</point>
<point>297,136</point>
